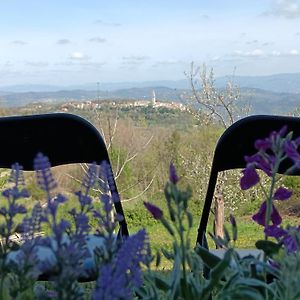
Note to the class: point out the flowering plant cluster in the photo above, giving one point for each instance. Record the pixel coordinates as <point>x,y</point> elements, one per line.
<point>72,251</point>
<point>122,267</point>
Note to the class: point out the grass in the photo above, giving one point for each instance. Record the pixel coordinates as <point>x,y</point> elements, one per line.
<point>248,233</point>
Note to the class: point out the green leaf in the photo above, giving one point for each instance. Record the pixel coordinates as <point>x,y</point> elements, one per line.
<point>209,259</point>
<point>167,226</point>
<point>270,248</point>
<point>168,254</point>
<point>190,219</point>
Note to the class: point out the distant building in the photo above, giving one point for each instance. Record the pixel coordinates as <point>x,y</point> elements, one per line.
<point>153,98</point>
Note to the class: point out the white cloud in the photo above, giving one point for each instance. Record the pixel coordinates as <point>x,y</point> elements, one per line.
<point>285,8</point>
<point>294,52</point>
<point>78,56</point>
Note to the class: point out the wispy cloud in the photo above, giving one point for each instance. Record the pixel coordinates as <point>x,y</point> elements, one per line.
<point>19,42</point>
<point>37,64</point>
<point>166,63</point>
<point>78,56</point>
<point>74,63</point>
<point>135,58</point>
<point>252,53</point>
<point>252,42</point>
<point>97,40</point>
<point>63,42</point>
<point>258,53</point>
<point>104,23</point>
<point>289,9</point>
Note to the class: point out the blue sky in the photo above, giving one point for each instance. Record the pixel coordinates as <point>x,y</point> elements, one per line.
<point>72,42</point>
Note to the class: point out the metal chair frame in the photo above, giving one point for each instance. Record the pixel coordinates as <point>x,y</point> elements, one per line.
<point>236,142</point>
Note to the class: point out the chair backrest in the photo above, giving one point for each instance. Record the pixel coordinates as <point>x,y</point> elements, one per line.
<point>64,138</point>
<point>236,142</point>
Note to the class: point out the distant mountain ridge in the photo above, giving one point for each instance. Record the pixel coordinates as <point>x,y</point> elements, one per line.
<point>279,83</point>
<point>265,94</point>
<point>261,101</point>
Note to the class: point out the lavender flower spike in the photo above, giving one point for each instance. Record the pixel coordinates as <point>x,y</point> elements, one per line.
<point>44,175</point>
<point>155,211</point>
<point>172,174</point>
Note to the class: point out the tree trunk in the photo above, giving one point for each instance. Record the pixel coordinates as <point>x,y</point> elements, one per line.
<point>219,213</point>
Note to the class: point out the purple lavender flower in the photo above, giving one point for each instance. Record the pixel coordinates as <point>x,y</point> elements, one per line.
<point>173,174</point>
<point>275,231</point>
<point>232,220</point>
<point>250,177</point>
<point>287,237</point>
<point>260,217</point>
<point>282,194</point>
<point>290,148</point>
<point>117,279</point>
<point>44,175</point>
<point>155,211</point>
<point>263,144</point>
<point>262,162</point>
<point>16,175</point>
<point>91,177</point>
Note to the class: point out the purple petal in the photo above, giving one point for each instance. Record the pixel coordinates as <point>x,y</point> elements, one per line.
<point>250,178</point>
<point>275,216</point>
<point>282,194</point>
<point>172,174</point>
<point>263,144</point>
<point>155,211</point>
<point>232,220</point>
<point>275,231</point>
<point>283,131</point>
<point>261,163</point>
<point>290,149</point>
<point>290,243</point>
<point>260,217</point>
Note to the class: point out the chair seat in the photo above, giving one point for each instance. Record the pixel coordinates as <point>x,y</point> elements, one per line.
<point>45,254</point>
<point>242,252</point>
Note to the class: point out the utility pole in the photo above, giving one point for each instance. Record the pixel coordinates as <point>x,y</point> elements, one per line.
<point>98,84</point>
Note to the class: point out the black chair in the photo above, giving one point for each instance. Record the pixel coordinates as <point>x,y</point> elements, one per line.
<point>236,142</point>
<point>64,138</point>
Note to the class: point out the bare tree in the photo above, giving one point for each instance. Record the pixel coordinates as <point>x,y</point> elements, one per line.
<point>212,104</point>
<point>108,125</point>
<point>218,104</point>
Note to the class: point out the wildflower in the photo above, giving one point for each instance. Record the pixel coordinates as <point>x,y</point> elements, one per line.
<point>44,175</point>
<point>90,177</point>
<point>250,177</point>
<point>260,217</point>
<point>172,174</point>
<point>290,148</point>
<point>282,194</point>
<point>16,175</point>
<point>155,211</point>
<point>118,278</point>
<point>289,237</point>
<point>232,220</point>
